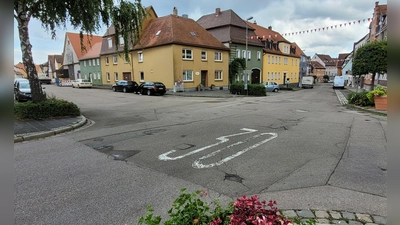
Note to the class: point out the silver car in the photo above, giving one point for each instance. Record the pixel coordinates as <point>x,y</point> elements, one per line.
<point>271,86</point>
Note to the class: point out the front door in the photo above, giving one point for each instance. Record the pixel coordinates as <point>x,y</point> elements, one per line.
<point>255,76</point>
<point>127,75</point>
<point>204,78</point>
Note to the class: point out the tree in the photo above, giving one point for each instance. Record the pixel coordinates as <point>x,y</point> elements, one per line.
<point>371,58</point>
<point>326,78</point>
<point>234,68</point>
<point>87,16</point>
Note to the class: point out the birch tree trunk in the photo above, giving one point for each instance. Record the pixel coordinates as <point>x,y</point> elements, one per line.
<point>23,19</point>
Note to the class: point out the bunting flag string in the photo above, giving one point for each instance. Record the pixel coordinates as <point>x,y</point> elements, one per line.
<point>317,29</point>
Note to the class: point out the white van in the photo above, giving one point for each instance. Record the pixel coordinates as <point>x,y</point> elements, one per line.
<point>338,82</point>
<point>307,82</point>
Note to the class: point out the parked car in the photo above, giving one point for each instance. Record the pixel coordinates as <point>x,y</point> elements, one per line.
<point>338,82</point>
<point>151,88</point>
<point>271,86</point>
<point>125,86</point>
<point>16,80</point>
<point>82,83</point>
<point>22,91</point>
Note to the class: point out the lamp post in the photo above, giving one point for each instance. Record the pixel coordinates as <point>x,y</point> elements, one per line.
<point>247,34</point>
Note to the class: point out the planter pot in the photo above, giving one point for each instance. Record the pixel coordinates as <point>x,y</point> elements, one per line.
<point>380,102</point>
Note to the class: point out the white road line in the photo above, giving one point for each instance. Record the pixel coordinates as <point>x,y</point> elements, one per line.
<point>221,139</point>
<point>197,164</point>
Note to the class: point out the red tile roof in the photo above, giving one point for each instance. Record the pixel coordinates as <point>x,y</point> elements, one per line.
<point>74,38</point>
<point>94,52</point>
<point>177,30</point>
<point>317,65</point>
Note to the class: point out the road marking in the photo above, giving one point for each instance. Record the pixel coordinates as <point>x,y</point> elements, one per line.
<point>197,164</point>
<point>221,139</point>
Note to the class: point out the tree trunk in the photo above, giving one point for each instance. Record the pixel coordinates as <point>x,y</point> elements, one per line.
<point>27,59</point>
<point>373,81</point>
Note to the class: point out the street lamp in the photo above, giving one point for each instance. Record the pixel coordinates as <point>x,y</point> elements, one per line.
<point>247,33</point>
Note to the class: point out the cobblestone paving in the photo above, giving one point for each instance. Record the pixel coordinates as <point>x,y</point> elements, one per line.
<point>341,97</point>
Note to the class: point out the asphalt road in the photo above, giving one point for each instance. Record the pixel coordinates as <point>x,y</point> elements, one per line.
<point>300,148</point>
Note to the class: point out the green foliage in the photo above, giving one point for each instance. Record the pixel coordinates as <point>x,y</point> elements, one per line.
<point>359,98</point>
<point>49,108</point>
<point>188,208</point>
<point>370,58</point>
<point>326,78</point>
<point>235,67</point>
<point>315,78</point>
<point>378,91</point>
<point>253,89</point>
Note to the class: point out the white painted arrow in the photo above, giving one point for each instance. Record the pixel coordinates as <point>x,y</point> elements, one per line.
<point>221,139</point>
<point>197,164</point>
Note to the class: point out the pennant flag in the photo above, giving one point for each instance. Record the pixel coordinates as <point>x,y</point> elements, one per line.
<point>359,21</point>
<point>369,19</point>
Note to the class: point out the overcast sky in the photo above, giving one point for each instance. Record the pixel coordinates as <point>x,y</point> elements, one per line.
<point>285,16</point>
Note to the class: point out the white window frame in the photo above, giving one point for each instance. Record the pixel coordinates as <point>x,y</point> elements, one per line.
<point>109,41</point>
<point>243,53</point>
<point>204,55</point>
<point>141,74</point>
<point>115,59</point>
<point>269,59</point>
<point>218,56</point>
<point>258,55</point>
<point>90,62</point>
<point>273,58</point>
<point>121,41</point>
<point>98,61</point>
<point>248,55</point>
<point>84,63</point>
<point>116,76</point>
<point>107,60</point>
<point>187,75</point>
<point>94,62</point>
<point>140,56</point>
<point>187,54</point>
<point>237,53</point>
<point>218,75</point>
<point>108,76</point>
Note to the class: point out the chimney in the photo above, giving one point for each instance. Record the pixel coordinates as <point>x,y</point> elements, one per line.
<point>185,15</point>
<point>255,22</point>
<point>270,27</point>
<point>218,11</point>
<point>376,4</point>
<point>175,11</point>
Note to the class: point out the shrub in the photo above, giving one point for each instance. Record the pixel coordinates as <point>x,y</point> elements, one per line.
<point>253,89</point>
<point>190,209</point>
<point>378,91</point>
<point>49,108</point>
<point>359,98</point>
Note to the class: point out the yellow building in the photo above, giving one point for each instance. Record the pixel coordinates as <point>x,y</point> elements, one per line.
<point>175,49</point>
<point>281,64</point>
<point>114,67</point>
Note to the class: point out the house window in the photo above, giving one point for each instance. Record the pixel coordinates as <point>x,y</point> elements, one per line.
<point>98,61</point>
<point>116,76</point>
<point>108,76</point>
<point>107,60</point>
<point>187,75</point>
<point>115,59</point>
<point>269,59</point>
<point>248,55</point>
<point>84,63</point>
<point>90,62</point>
<point>237,53</point>
<point>203,55</point>
<point>292,62</point>
<point>279,60</point>
<point>109,40</point>
<point>186,54</point>
<point>258,55</point>
<point>121,41</point>
<point>94,62</point>
<point>98,76</point>
<point>269,76</point>
<point>285,60</point>
<point>218,56</point>
<point>141,76</point>
<point>140,56</point>
<point>218,75</point>
<point>273,59</point>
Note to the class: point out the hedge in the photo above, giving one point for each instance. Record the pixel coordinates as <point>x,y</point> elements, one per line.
<point>49,108</point>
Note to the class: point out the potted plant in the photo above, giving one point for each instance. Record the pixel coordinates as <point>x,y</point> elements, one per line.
<point>199,87</point>
<point>212,86</point>
<point>378,96</point>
